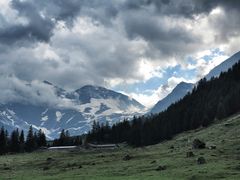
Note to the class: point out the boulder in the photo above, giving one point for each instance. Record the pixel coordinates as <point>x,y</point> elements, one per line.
<point>154,161</point>
<point>201,160</point>
<point>6,168</point>
<point>197,144</point>
<point>212,147</point>
<point>161,168</point>
<point>189,154</point>
<point>127,157</point>
<point>46,168</point>
<point>49,159</point>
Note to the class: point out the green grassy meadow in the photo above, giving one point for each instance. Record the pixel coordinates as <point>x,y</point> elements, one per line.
<point>221,163</point>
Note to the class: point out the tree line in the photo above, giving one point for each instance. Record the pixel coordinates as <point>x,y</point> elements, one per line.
<point>209,101</point>
<point>66,140</point>
<point>16,143</point>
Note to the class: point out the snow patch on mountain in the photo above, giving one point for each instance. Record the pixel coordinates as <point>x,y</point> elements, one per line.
<point>44,118</point>
<point>71,110</point>
<point>59,116</point>
<point>44,112</point>
<point>69,119</point>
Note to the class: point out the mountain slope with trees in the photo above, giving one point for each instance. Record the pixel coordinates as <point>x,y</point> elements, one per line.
<point>177,93</point>
<point>208,102</point>
<point>183,88</point>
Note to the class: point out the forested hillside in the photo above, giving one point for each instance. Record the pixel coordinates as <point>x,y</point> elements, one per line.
<point>210,101</point>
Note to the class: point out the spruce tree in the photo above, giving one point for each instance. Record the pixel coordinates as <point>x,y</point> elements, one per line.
<point>3,141</point>
<point>30,142</point>
<point>21,141</point>
<point>35,137</point>
<point>67,139</point>
<point>14,141</point>
<point>41,139</point>
<point>62,138</point>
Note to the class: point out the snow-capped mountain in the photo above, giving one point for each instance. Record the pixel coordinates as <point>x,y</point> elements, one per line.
<point>177,93</point>
<point>82,107</point>
<point>183,88</point>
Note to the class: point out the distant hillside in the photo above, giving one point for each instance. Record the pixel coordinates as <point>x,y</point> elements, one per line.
<point>224,66</point>
<point>177,93</point>
<point>183,88</point>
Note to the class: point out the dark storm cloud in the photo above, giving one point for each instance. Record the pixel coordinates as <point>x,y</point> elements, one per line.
<point>40,28</point>
<point>33,31</point>
<point>60,9</point>
<point>118,34</point>
<point>187,8</point>
<point>37,28</point>
<point>41,19</point>
<point>43,15</point>
<point>157,31</point>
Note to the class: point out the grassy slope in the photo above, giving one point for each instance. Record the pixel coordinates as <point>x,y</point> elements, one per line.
<point>222,162</point>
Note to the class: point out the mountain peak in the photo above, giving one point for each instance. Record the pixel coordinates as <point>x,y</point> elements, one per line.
<point>92,87</point>
<point>183,87</point>
<point>177,93</point>
<point>89,92</point>
<point>47,82</point>
<point>183,83</point>
<point>224,66</point>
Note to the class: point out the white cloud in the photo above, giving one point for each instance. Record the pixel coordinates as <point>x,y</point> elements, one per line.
<point>151,97</point>
<point>35,93</point>
<point>203,66</point>
<point>10,15</point>
<point>110,43</point>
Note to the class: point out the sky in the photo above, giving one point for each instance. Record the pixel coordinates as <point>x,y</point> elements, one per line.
<point>142,48</point>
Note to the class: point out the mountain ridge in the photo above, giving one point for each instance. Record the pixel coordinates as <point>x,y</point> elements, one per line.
<point>83,106</point>
<point>176,94</point>
<point>172,97</point>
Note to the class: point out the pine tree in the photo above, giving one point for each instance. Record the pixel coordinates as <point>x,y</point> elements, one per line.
<point>62,138</point>
<point>15,143</point>
<point>7,140</point>
<point>30,142</point>
<point>3,141</point>
<point>221,112</point>
<point>41,139</point>
<point>77,141</point>
<point>67,139</point>
<point>21,141</point>
<point>35,137</point>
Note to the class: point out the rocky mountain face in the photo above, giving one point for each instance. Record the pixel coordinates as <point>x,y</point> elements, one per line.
<point>76,114</point>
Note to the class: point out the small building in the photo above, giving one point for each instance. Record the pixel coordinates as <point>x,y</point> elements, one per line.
<point>62,147</point>
<point>102,146</point>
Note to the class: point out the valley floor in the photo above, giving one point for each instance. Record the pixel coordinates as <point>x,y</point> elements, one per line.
<point>221,163</point>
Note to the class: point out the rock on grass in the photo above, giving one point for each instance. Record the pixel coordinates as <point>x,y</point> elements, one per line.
<point>198,144</point>
<point>201,160</point>
<point>161,168</point>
